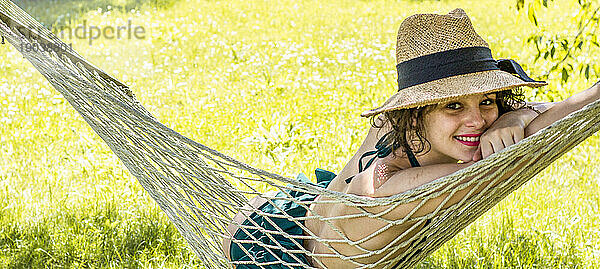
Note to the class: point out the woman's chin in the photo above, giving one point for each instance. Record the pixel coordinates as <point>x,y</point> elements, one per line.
<point>464,160</point>
<point>467,157</point>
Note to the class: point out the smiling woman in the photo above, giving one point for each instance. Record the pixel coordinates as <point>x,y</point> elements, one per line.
<point>453,129</point>
<point>411,121</point>
<point>455,106</point>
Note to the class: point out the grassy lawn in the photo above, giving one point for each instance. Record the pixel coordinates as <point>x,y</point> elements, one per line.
<point>277,84</point>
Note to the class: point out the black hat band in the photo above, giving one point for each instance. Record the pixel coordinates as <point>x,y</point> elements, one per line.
<point>455,62</point>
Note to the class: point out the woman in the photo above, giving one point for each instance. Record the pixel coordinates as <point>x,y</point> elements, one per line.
<point>455,105</point>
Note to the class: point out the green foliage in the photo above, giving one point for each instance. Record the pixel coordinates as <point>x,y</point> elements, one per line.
<point>567,53</point>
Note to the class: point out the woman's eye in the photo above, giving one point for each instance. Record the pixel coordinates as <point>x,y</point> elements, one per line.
<point>454,106</point>
<point>487,102</point>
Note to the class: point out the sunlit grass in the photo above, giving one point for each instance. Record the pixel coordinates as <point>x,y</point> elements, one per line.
<point>277,85</point>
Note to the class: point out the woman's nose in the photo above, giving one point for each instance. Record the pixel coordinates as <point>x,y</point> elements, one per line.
<point>474,119</point>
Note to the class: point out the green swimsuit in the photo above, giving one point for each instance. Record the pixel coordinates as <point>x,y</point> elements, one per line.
<point>263,252</point>
<point>267,254</point>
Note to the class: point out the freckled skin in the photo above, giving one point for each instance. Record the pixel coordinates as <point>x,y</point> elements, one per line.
<point>466,115</point>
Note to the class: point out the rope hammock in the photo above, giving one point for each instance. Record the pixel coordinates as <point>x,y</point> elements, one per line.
<point>201,190</point>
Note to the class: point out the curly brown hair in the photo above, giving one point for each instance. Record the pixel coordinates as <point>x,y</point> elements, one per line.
<point>407,121</point>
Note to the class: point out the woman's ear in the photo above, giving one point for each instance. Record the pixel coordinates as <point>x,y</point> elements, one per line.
<point>413,122</point>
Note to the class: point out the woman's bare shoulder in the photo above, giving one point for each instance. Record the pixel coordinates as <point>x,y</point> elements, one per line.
<point>410,178</point>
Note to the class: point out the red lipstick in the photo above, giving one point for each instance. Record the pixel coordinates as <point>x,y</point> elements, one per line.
<point>468,143</point>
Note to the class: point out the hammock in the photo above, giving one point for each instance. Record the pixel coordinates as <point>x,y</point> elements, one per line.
<point>200,189</point>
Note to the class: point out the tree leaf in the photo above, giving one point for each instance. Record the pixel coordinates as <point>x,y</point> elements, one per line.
<point>565,75</point>
<point>565,44</point>
<point>587,71</point>
<point>531,14</point>
<point>520,4</point>
<point>594,42</point>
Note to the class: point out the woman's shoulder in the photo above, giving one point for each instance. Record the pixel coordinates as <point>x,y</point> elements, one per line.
<point>368,181</point>
<point>407,179</point>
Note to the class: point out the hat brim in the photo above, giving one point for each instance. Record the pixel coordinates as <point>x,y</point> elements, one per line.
<point>445,89</point>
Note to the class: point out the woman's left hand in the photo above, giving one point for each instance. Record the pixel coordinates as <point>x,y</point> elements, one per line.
<point>507,130</point>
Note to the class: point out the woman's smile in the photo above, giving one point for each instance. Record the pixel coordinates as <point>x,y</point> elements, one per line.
<point>454,128</point>
<point>471,140</point>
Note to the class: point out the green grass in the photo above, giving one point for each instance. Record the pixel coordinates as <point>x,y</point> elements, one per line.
<point>274,84</point>
<point>61,12</point>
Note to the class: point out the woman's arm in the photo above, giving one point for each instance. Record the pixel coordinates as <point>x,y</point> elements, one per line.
<point>414,177</point>
<point>368,144</point>
<point>411,178</point>
<point>538,107</point>
<point>564,108</point>
<point>508,129</point>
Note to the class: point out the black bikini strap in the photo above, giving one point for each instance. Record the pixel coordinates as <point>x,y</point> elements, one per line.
<point>382,150</point>
<point>412,159</point>
<point>368,153</point>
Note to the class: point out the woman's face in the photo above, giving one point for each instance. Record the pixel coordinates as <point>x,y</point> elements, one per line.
<point>453,128</point>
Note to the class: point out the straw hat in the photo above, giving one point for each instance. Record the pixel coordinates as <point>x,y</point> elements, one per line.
<point>441,57</point>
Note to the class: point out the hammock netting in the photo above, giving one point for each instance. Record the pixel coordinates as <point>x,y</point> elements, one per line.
<point>201,190</point>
